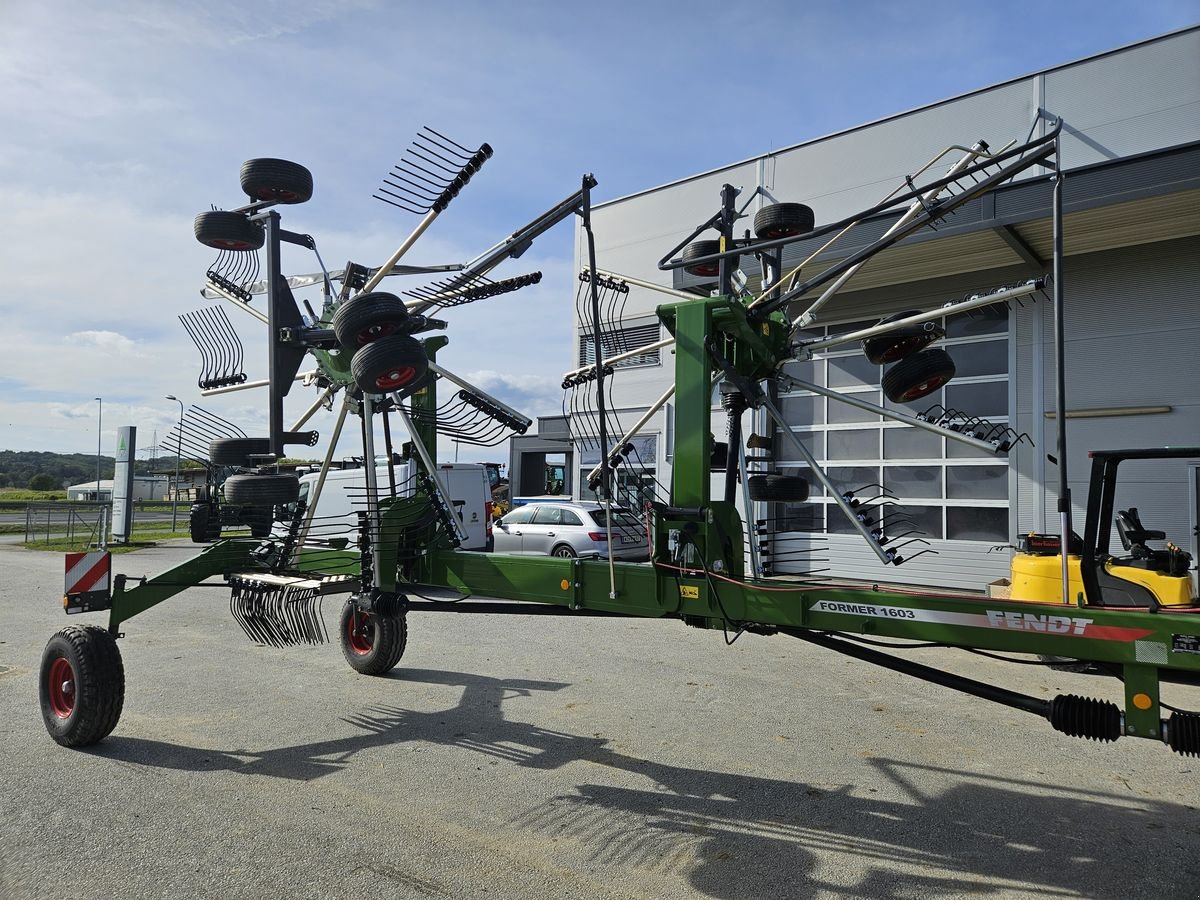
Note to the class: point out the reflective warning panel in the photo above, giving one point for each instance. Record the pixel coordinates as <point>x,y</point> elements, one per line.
<point>87,585</point>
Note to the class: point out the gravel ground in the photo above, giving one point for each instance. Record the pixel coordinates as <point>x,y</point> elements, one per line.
<point>516,757</point>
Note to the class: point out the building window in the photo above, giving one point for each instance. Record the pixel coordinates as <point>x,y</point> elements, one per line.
<point>622,340</point>
<point>948,491</point>
<point>634,483</point>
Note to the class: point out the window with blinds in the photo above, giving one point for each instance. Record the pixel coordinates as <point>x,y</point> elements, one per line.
<point>622,340</point>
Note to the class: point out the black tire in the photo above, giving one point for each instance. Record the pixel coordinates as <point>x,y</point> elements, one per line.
<point>199,524</point>
<point>237,451</point>
<point>259,520</point>
<point>261,490</point>
<point>903,342</point>
<point>277,180</point>
<point>392,363</point>
<point>702,248</point>
<point>564,551</point>
<point>368,317</point>
<point>783,220</point>
<point>778,488</point>
<point>372,642</point>
<point>224,230</point>
<point>81,685</point>
<point>918,376</point>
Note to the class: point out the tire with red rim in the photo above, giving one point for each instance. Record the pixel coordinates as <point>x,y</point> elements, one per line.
<point>81,685</point>
<point>903,342</point>
<point>368,317</point>
<point>698,249</point>
<point>276,180</point>
<point>391,363</point>
<point>783,220</point>
<point>918,376</point>
<point>372,642</point>
<point>225,230</point>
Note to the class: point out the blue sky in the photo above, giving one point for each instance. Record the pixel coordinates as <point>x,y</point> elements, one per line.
<point>121,121</point>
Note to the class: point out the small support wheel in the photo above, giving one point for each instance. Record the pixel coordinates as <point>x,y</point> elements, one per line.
<point>225,230</point>
<point>276,180</point>
<point>778,488</point>
<point>903,342</point>
<point>697,249</point>
<point>918,376</point>
<point>783,220</point>
<point>368,317</point>
<point>372,642</point>
<point>81,685</point>
<point>261,490</point>
<point>389,364</point>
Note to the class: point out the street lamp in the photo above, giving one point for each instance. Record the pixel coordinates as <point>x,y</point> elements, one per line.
<point>178,454</point>
<point>99,433</point>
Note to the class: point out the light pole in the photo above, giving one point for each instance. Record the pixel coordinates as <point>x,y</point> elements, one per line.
<point>99,434</point>
<point>178,454</point>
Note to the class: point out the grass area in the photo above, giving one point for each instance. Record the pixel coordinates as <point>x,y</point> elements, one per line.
<point>148,535</point>
<point>24,495</point>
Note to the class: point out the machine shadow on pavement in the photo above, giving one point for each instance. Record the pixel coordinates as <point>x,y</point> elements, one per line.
<point>982,834</point>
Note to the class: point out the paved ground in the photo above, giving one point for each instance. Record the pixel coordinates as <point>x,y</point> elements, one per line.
<point>517,758</point>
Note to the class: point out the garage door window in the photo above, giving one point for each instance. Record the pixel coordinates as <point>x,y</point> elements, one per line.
<point>949,491</point>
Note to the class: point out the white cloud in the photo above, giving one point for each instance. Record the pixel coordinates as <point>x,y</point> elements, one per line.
<point>108,341</point>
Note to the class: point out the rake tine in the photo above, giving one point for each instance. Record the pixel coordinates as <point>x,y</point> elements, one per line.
<point>414,151</point>
<point>467,154</point>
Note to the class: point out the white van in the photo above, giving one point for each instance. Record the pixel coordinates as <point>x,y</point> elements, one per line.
<point>343,497</point>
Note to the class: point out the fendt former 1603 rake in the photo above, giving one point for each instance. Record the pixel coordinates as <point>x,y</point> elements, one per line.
<point>1132,615</point>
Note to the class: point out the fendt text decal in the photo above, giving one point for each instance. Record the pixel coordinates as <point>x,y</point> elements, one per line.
<point>1045,623</point>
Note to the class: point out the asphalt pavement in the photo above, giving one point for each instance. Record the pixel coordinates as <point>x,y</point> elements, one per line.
<point>548,757</point>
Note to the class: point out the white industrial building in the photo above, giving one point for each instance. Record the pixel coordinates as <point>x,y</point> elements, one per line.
<point>1131,155</point>
<point>145,487</point>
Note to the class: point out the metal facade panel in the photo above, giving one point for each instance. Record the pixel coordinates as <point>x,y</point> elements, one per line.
<point>1129,102</point>
<point>846,173</point>
<point>963,565</point>
<point>632,235</point>
<point>1133,333</point>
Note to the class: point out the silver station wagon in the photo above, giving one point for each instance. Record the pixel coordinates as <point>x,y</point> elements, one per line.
<point>571,529</point>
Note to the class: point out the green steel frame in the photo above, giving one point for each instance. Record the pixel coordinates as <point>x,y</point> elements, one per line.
<point>696,572</point>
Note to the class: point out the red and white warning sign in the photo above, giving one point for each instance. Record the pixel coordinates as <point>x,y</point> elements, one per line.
<point>88,573</point>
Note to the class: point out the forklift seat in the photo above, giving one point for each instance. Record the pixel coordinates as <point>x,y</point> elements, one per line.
<point>1131,532</point>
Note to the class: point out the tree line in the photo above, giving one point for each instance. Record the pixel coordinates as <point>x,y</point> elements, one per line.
<point>45,471</point>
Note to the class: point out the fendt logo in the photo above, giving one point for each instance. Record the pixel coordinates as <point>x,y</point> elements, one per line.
<point>1021,621</point>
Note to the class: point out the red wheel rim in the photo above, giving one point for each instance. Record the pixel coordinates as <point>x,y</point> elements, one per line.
<point>907,347</point>
<point>394,378</point>
<point>280,195</point>
<point>359,633</point>
<point>375,332</point>
<point>231,245</point>
<point>778,231</point>
<point>61,684</point>
<point>925,387</point>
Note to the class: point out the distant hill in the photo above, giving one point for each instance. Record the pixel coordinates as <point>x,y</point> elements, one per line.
<point>18,467</point>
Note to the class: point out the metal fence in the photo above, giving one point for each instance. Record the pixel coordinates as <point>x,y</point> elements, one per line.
<point>78,524</point>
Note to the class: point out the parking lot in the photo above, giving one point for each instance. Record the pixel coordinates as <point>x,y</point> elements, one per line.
<point>521,757</point>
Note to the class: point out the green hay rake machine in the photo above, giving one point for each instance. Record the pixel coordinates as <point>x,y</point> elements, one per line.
<point>1133,617</point>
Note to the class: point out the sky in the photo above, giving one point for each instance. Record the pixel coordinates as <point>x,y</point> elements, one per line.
<point>120,121</point>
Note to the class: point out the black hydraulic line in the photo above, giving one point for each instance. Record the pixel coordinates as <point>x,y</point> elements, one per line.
<point>1060,377</point>
<point>926,673</point>
<point>514,608</point>
<point>597,337</point>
